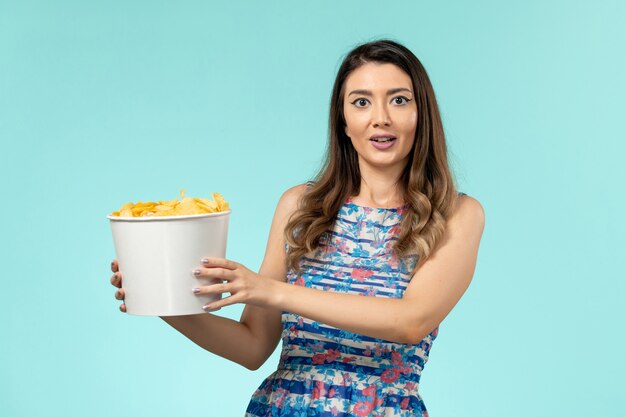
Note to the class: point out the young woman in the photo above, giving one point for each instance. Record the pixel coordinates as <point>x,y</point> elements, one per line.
<point>361,265</point>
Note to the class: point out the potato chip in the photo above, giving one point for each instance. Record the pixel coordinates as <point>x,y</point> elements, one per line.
<point>180,207</point>
<point>222,205</point>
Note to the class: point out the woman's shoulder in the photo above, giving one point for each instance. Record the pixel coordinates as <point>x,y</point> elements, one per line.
<point>466,200</point>
<point>468,210</point>
<point>293,194</point>
<point>290,198</point>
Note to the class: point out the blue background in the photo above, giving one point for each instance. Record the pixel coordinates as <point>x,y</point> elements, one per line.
<point>104,102</point>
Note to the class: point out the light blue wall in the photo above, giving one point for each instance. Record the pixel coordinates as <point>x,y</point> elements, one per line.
<point>103,102</point>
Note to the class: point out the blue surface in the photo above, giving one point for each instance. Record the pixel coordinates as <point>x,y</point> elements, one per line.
<point>104,102</point>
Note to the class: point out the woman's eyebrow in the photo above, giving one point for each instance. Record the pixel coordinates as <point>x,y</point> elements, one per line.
<point>389,92</point>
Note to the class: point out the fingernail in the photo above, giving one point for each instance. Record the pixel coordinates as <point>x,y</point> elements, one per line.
<point>196,272</point>
<point>206,307</point>
<point>196,290</point>
<point>205,260</point>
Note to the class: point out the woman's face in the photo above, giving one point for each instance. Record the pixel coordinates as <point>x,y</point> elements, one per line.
<point>378,105</point>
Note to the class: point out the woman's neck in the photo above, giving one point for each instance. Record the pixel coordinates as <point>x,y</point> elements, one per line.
<point>379,188</point>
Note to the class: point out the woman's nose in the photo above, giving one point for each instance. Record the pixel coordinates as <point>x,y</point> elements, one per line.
<point>380,116</point>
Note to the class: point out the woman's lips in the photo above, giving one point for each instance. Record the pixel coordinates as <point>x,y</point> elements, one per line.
<point>383,145</point>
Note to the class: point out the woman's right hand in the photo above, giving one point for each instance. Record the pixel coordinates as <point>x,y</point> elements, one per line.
<point>116,281</point>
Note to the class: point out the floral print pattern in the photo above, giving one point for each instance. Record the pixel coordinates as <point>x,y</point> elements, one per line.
<point>325,371</point>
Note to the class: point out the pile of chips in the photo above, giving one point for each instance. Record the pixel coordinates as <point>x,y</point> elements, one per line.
<point>184,206</point>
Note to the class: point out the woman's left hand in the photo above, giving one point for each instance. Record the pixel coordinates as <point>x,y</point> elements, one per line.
<point>243,285</point>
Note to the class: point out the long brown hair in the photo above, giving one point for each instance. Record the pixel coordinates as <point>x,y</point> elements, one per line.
<point>426,183</point>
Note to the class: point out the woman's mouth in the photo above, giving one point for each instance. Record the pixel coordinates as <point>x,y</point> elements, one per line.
<point>382,143</point>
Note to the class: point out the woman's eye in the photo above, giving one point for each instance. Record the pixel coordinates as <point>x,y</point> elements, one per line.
<point>399,100</point>
<point>360,102</point>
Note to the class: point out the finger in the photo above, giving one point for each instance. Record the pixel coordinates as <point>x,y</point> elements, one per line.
<point>217,273</point>
<point>114,266</point>
<point>216,305</point>
<point>120,294</point>
<point>218,288</point>
<point>123,308</point>
<point>116,280</point>
<point>219,263</point>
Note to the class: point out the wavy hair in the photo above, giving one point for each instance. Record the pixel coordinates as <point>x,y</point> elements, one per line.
<point>426,183</point>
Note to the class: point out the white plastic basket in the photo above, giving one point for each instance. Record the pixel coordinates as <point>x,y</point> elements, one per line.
<point>157,256</point>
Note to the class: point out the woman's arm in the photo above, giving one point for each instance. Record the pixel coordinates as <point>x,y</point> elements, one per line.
<point>264,322</point>
<point>250,341</point>
<point>434,290</point>
<point>222,336</point>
